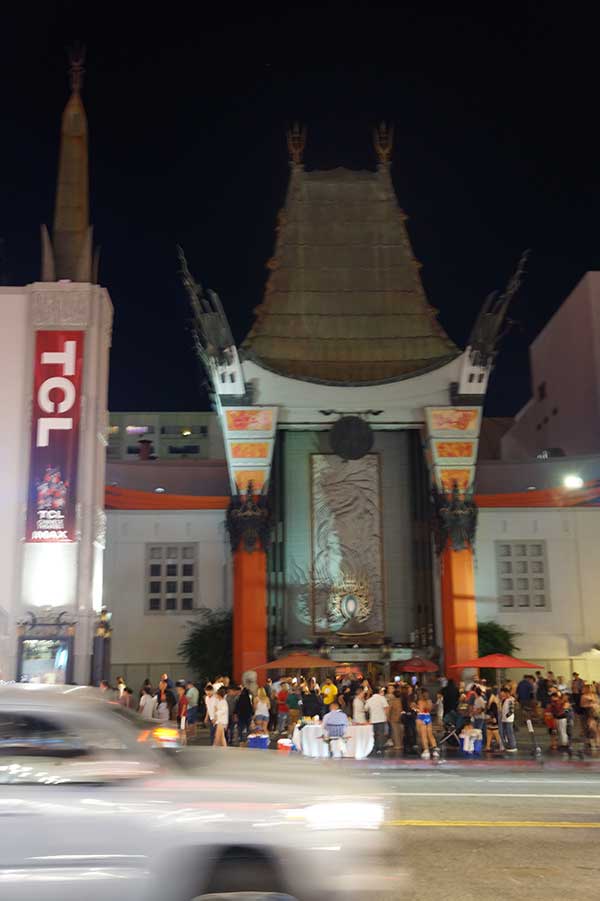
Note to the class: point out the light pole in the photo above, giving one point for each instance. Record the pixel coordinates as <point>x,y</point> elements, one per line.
<point>386,653</point>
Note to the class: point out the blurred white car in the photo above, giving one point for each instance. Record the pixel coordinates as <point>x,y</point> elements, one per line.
<point>93,807</point>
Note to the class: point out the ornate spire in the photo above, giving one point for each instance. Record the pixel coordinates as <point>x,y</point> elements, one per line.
<point>296,140</point>
<point>77,70</point>
<point>383,141</point>
<point>69,254</point>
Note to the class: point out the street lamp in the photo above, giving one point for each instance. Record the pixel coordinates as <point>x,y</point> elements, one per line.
<point>386,653</point>
<point>573,482</point>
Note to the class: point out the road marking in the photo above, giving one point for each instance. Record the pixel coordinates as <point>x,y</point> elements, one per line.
<point>499,824</point>
<point>450,794</point>
<point>540,781</point>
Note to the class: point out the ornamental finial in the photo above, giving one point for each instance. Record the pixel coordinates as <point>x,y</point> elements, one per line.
<point>296,139</point>
<point>76,68</point>
<point>383,141</point>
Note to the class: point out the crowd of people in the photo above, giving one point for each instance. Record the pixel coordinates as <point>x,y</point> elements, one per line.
<point>406,717</point>
<point>176,704</point>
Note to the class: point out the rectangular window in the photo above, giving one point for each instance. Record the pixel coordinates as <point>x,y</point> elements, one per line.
<point>166,594</point>
<point>529,590</point>
<point>190,449</point>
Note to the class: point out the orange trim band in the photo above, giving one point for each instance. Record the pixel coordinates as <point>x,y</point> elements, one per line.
<point>549,497</point>
<point>129,499</point>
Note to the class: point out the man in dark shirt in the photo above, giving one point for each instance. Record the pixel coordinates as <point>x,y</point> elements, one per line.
<point>450,694</point>
<point>525,697</point>
<point>244,710</point>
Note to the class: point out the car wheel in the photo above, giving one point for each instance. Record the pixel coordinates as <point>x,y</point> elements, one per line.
<point>244,870</point>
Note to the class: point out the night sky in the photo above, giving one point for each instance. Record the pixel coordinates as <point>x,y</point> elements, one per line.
<point>496,150</point>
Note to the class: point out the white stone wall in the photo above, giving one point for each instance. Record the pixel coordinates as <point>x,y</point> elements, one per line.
<point>143,643</point>
<point>15,376</point>
<point>399,404</point>
<point>561,637</point>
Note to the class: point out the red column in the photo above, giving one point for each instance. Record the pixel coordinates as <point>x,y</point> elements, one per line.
<point>249,609</point>
<point>459,610</point>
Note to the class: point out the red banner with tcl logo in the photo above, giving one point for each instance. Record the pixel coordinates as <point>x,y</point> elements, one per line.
<point>57,381</point>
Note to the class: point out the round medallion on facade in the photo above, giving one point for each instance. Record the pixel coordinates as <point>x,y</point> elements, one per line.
<point>351,438</point>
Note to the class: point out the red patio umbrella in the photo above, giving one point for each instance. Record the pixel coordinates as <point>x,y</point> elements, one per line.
<point>298,661</point>
<point>496,661</point>
<point>419,665</point>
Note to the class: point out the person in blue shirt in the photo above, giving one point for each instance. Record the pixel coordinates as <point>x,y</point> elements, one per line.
<point>335,728</point>
<point>335,723</point>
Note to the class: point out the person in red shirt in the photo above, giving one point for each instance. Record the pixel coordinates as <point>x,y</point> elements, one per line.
<point>182,709</point>
<point>283,710</point>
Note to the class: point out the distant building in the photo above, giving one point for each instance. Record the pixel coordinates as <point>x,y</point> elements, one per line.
<point>180,435</point>
<point>563,415</point>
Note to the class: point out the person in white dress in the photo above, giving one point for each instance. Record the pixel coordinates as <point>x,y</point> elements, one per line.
<point>221,718</point>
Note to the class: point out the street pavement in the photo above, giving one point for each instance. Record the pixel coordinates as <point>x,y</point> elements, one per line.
<point>496,834</point>
<point>490,830</point>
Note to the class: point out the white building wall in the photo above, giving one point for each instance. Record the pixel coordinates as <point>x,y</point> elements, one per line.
<point>562,637</point>
<point>399,404</point>
<point>145,644</point>
<point>15,374</point>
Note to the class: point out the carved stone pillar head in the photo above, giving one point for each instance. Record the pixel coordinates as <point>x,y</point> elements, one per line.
<point>249,522</point>
<point>454,519</point>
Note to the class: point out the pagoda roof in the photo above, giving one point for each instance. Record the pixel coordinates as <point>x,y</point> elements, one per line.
<point>344,303</point>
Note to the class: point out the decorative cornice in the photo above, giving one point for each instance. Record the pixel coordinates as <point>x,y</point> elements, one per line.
<point>70,309</point>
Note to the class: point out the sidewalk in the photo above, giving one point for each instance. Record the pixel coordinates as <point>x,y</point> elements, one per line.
<point>525,758</point>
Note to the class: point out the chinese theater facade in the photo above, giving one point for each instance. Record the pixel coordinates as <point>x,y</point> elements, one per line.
<point>343,409</point>
<point>54,345</point>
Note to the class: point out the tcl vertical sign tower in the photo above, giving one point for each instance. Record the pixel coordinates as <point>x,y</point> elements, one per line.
<point>54,452</point>
<point>54,345</point>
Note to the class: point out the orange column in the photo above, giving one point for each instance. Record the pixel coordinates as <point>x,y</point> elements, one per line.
<point>459,610</point>
<point>249,609</point>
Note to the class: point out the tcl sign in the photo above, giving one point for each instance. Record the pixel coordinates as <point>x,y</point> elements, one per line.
<point>58,371</point>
